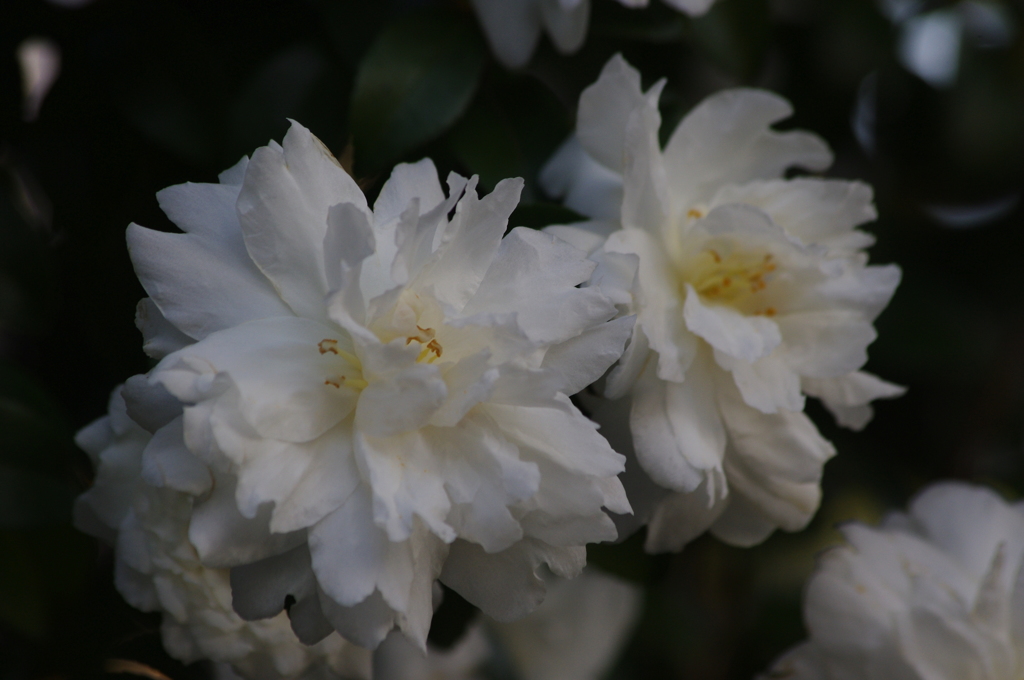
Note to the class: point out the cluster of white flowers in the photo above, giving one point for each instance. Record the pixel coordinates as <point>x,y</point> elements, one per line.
<point>751,291</point>
<point>352,405</point>
<point>933,594</point>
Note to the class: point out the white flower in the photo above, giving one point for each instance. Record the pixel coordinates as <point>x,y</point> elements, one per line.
<point>575,634</point>
<point>934,594</point>
<point>513,27</point>
<point>750,291</point>
<point>379,396</point>
<point>157,569</point>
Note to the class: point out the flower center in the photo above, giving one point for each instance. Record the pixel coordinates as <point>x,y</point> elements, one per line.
<point>348,370</point>
<point>733,279</point>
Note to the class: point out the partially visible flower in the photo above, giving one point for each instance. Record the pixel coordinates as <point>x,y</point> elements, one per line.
<point>157,569</point>
<point>934,594</point>
<point>513,27</point>
<point>575,634</point>
<point>750,291</point>
<point>365,401</point>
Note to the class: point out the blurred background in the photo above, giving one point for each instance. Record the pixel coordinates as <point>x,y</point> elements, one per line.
<point>103,103</point>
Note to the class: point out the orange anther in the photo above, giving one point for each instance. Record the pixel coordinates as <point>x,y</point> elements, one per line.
<point>328,345</point>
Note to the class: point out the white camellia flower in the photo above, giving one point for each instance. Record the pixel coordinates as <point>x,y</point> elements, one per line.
<point>157,569</point>
<point>513,27</point>
<point>750,291</point>
<point>575,634</point>
<point>934,594</point>
<point>365,401</point>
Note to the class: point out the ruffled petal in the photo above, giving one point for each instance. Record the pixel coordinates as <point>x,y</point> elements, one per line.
<point>583,184</point>
<point>507,585</point>
<point>469,243</point>
<point>848,397</point>
<point>282,210</point>
<point>677,432</point>
<point>726,139</point>
<point>535,276</point>
<point>604,112</point>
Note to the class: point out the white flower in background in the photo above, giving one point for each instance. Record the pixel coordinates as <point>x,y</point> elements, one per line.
<point>934,594</point>
<point>513,27</point>
<point>575,634</point>
<point>379,396</point>
<point>157,569</point>
<point>750,291</point>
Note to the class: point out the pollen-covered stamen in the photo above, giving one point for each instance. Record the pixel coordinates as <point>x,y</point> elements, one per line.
<point>732,278</point>
<point>425,337</point>
<point>350,367</point>
<point>347,381</point>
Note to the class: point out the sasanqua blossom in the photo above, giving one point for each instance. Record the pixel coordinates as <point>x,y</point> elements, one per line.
<point>750,291</point>
<point>365,401</point>
<point>157,569</point>
<point>513,27</point>
<point>933,594</point>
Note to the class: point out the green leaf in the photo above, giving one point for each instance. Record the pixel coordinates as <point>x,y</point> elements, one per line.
<point>415,81</point>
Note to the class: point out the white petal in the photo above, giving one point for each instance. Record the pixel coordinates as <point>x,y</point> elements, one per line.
<point>469,243</point>
<point>166,462</point>
<point>506,585</point>
<point>726,140</point>
<point>634,359</point>
<point>848,397</point>
<point>682,517</point>
<point>580,361</point>
<point>677,432</point>
<point>583,184</point>
<point>365,624</point>
<point>814,210</point>
<point>349,240</point>
<point>259,590</point>
<point>660,314</point>
<point>159,336</point>
<point>825,343</point>
<point>401,403</point>
<point>567,26</point>
<point>694,8</point>
<point>408,181</point>
<point>512,28</point>
<point>404,474</point>
<point>736,335</point>
<point>768,384</point>
<point>576,632</point>
<point>224,538</point>
<point>348,551</point>
<point>560,433</point>
<point>604,112</point>
<point>587,236</point>
<point>742,523</point>
<point>468,382</point>
<point>484,476</point>
<point>535,275</point>
<point>328,479</point>
<point>646,200</point>
<point>147,403</point>
<point>972,534</point>
<point>282,209</point>
<point>201,282</point>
